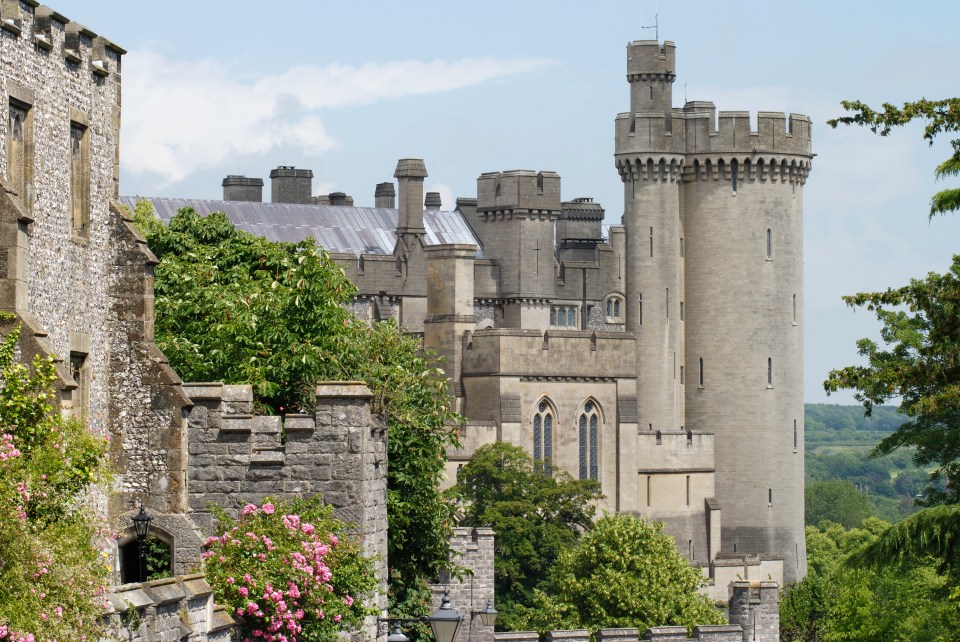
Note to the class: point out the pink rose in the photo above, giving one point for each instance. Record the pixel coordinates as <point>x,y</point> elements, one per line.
<point>268,508</point>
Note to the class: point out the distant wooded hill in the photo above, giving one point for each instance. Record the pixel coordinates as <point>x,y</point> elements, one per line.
<point>838,441</point>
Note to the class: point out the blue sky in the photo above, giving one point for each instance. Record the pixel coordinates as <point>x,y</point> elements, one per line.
<point>214,88</point>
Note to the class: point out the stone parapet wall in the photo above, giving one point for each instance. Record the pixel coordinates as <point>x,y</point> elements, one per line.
<point>338,452</point>
<point>553,353</point>
<point>472,550</point>
<point>176,608</point>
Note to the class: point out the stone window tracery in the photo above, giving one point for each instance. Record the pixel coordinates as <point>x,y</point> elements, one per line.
<point>563,316</point>
<point>543,425</point>
<point>589,441</point>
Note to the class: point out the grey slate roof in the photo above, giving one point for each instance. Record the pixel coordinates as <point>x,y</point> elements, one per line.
<point>360,230</point>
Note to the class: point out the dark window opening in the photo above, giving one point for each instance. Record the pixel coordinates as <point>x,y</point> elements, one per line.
<point>156,563</point>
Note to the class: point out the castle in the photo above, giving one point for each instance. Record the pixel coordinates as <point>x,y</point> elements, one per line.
<point>662,360</point>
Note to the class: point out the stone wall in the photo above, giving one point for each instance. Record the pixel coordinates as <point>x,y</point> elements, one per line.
<point>56,256</point>
<point>473,550</point>
<point>175,608</point>
<point>338,452</point>
<point>754,617</point>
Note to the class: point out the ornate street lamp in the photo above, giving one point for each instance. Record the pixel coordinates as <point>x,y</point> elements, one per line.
<point>141,524</point>
<point>445,621</point>
<point>488,616</point>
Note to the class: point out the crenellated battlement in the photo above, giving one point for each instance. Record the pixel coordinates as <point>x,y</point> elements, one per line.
<point>647,59</point>
<point>694,131</point>
<point>44,30</point>
<point>519,191</point>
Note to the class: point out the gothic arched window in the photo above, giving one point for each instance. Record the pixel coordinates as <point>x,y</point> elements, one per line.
<point>543,423</point>
<point>589,428</point>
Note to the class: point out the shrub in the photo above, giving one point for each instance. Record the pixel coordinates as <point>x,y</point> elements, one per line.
<point>287,572</point>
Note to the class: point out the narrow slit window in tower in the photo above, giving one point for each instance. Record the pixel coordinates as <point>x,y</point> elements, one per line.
<point>794,309</point>
<point>734,166</point>
<point>667,301</point>
<point>681,310</point>
<point>769,497</point>
<point>769,244</point>
<point>651,241</point>
<point>659,438</point>
<point>794,435</point>
<point>688,490</point>
<point>651,92</point>
<point>648,490</point>
<point>79,179</point>
<point>681,247</point>
<point>701,372</point>
<point>640,311</point>
<point>769,371</point>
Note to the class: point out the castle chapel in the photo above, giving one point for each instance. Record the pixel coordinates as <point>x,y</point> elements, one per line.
<point>664,359</point>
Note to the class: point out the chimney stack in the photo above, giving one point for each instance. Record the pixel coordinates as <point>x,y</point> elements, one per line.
<point>241,188</point>
<point>385,196</point>
<point>410,174</point>
<point>291,185</point>
<point>432,202</point>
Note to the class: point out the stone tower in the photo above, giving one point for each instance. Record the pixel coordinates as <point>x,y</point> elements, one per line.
<point>515,216</point>
<point>715,214</point>
<point>651,174</point>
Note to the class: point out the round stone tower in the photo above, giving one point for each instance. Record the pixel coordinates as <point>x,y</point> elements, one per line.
<point>651,171</point>
<point>715,211</point>
<point>743,209</point>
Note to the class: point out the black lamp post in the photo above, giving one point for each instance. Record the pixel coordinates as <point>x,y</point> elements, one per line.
<point>488,616</point>
<point>141,524</point>
<point>444,622</point>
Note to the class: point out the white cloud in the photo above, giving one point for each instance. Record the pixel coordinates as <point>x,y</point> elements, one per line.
<point>181,116</point>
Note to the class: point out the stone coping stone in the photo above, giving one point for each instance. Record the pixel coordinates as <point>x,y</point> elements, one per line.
<point>299,423</point>
<point>165,591</point>
<point>574,635</point>
<point>196,586</point>
<point>334,389</point>
<point>713,629</point>
<point>516,636</point>
<point>664,633</point>
<point>129,595</point>
<point>221,620</point>
<point>204,389</point>
<point>632,634</point>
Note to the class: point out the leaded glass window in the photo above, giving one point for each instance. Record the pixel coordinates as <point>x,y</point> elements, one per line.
<point>589,428</point>
<point>543,438</point>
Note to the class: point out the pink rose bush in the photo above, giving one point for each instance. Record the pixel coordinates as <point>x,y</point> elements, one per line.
<point>52,577</point>
<point>287,573</point>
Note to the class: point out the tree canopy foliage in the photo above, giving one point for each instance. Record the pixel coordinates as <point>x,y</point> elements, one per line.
<point>835,501</point>
<point>235,307</point>
<point>625,572</point>
<point>535,516</point>
<point>939,116</point>
<point>838,601</point>
<point>920,359</point>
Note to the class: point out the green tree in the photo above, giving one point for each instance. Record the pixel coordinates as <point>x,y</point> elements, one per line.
<point>838,601</point>
<point>939,117</point>
<point>625,572</point>
<point>835,501</point>
<point>920,362</point>
<point>535,516</point>
<point>52,577</point>
<point>234,307</point>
